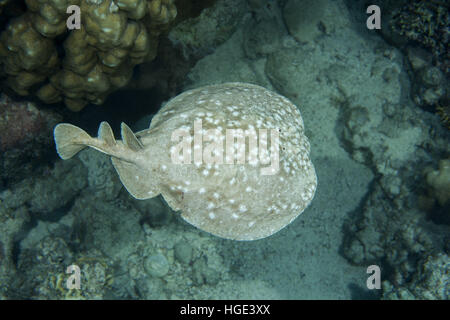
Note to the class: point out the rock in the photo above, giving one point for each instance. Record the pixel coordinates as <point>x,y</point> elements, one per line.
<point>56,190</point>
<point>429,282</point>
<point>203,274</point>
<point>439,182</point>
<point>183,252</point>
<point>101,177</point>
<point>154,212</point>
<point>418,58</point>
<point>431,77</point>
<point>265,37</point>
<point>199,36</point>
<point>308,19</point>
<point>157,265</point>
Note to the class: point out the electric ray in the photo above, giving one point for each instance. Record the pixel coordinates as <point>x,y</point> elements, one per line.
<point>233,158</point>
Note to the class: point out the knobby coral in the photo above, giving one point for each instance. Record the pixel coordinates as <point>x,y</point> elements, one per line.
<point>40,56</point>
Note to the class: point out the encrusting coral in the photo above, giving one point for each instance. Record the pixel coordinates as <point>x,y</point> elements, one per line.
<point>25,138</point>
<point>97,59</point>
<point>444,113</point>
<point>422,27</point>
<point>426,23</point>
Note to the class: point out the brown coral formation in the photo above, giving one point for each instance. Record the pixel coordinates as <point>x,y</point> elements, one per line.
<point>97,59</point>
<point>3,3</point>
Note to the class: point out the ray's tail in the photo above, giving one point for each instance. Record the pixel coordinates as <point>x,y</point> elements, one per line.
<point>70,139</point>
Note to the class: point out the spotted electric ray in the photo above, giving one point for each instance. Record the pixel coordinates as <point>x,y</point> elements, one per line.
<point>244,189</point>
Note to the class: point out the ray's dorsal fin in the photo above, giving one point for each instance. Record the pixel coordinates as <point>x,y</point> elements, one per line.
<point>129,138</point>
<point>106,134</point>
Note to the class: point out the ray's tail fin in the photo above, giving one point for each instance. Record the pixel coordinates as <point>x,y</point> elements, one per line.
<point>70,140</point>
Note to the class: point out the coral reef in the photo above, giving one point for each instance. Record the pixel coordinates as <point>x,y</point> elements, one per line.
<point>50,257</point>
<point>421,29</point>
<point>429,282</point>
<point>12,225</point>
<point>429,84</point>
<point>19,123</point>
<point>42,197</point>
<point>101,232</point>
<point>388,233</point>
<point>383,130</point>
<point>91,62</point>
<point>426,22</point>
<point>96,272</point>
<point>444,113</point>
<point>157,271</point>
<point>36,197</point>
<point>371,145</point>
<point>26,137</point>
<point>47,257</point>
<point>390,230</point>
